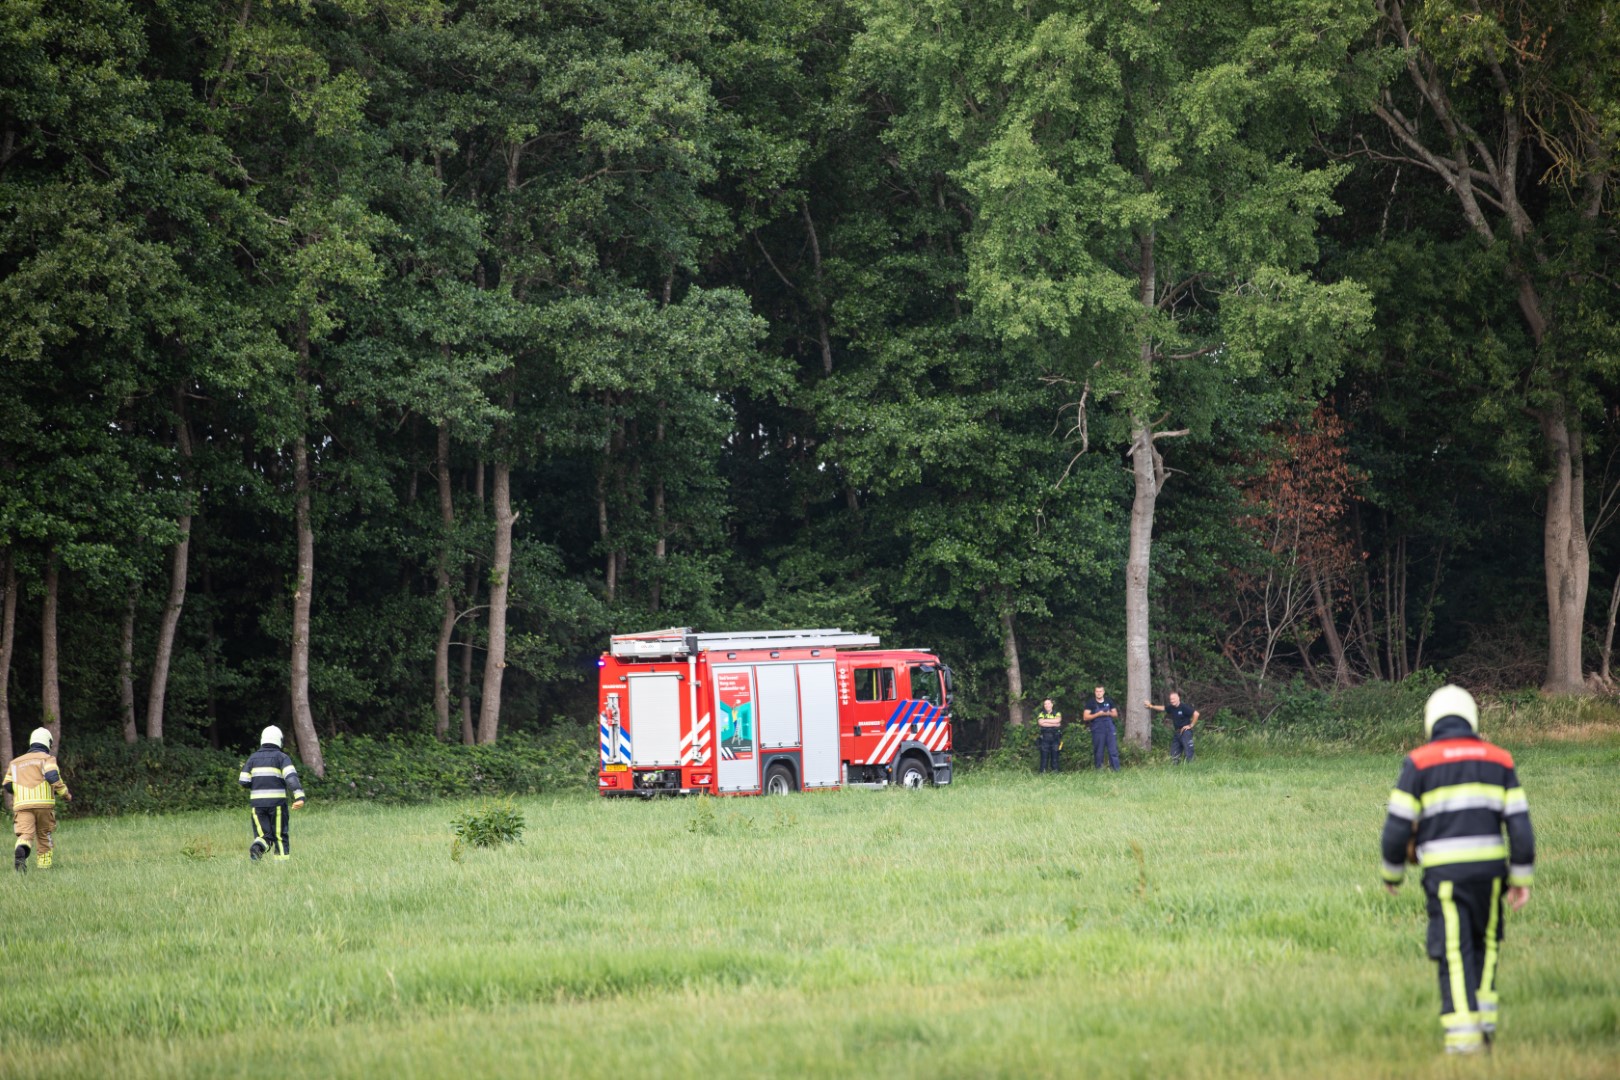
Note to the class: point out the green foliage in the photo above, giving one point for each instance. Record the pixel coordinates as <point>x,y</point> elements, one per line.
<point>491,823</point>
<point>412,770</point>
<point>1375,715</point>
<point>108,776</point>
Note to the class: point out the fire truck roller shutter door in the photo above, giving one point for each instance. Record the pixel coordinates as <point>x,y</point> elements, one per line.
<point>778,705</point>
<point>818,707</point>
<point>655,719</point>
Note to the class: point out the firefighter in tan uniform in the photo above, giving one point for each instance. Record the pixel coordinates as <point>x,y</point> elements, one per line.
<point>34,781</point>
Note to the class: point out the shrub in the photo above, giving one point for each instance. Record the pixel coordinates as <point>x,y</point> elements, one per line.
<point>109,776</point>
<point>418,768</point>
<point>491,824</point>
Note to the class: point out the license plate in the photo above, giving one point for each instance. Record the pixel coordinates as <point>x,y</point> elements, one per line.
<point>615,768</point>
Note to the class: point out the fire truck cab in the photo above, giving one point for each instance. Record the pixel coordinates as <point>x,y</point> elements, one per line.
<point>771,712</point>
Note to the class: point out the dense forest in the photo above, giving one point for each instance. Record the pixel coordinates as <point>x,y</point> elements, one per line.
<point>365,363</point>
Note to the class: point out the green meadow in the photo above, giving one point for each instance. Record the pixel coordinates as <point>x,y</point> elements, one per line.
<point>1222,920</point>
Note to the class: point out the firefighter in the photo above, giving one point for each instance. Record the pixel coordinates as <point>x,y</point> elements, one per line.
<point>34,781</point>
<point>1455,796</point>
<point>271,779</point>
<point>1051,736</point>
<point>1099,716</point>
<point>1182,719</point>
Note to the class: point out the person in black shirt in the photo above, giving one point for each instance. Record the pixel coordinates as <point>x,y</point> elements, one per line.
<point>1099,716</point>
<point>1050,722</point>
<point>1182,719</point>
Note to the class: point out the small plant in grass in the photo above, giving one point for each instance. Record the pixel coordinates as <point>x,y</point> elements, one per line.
<point>199,848</point>
<point>490,824</point>
<point>704,821</point>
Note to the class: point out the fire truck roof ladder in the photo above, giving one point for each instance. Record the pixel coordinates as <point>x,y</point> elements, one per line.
<point>681,641</point>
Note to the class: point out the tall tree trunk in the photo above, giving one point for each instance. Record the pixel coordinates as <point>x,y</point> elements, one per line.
<point>1015,671</point>
<point>1567,559</point>
<point>1605,672</point>
<point>309,743</point>
<point>1138,660</point>
<point>8,638</point>
<point>126,665</point>
<point>163,660</point>
<point>1330,631</point>
<point>500,573</point>
<point>469,730</point>
<point>447,618</point>
<point>179,568</point>
<point>50,693</point>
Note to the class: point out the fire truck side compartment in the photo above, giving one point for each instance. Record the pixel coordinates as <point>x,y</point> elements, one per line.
<point>655,719</point>
<point>778,705</point>
<point>818,705</point>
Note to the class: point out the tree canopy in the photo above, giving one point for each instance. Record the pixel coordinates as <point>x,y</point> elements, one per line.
<point>367,362</point>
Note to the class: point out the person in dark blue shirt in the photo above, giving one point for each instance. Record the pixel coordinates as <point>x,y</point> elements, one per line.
<point>1099,716</point>
<point>1182,718</point>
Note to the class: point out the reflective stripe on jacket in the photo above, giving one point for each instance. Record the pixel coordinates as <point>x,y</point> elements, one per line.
<point>35,780</point>
<point>1456,797</point>
<point>270,776</point>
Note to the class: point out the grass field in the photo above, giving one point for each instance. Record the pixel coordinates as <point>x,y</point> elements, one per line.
<point>1222,920</point>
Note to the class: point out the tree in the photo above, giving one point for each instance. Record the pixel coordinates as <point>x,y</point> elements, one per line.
<point>1510,107</point>
<point>1295,506</point>
<point>1141,208</point>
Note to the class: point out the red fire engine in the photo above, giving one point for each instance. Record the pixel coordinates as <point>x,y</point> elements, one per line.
<point>769,712</point>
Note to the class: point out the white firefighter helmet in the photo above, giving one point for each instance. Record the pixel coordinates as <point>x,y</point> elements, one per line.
<point>271,734</point>
<point>1450,700</point>
<point>40,735</point>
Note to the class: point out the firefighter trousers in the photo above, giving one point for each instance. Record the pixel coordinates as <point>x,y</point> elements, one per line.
<point>36,828</point>
<point>1464,939</point>
<point>270,829</point>
<point>1051,739</point>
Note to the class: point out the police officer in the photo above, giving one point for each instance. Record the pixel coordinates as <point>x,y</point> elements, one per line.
<point>1051,725</point>
<point>34,780</point>
<point>1099,716</point>
<point>271,778</point>
<point>1182,718</point>
<point>1455,797</point>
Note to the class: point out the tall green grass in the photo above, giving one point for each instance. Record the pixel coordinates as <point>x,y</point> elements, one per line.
<point>1218,920</point>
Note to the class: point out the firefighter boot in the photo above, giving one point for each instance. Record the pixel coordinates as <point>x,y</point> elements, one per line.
<point>20,859</point>
<point>256,850</point>
<point>44,860</point>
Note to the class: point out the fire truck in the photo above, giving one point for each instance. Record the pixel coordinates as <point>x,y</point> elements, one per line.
<point>768,713</point>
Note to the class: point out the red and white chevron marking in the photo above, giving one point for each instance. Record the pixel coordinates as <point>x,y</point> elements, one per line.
<point>935,735</point>
<point>696,742</point>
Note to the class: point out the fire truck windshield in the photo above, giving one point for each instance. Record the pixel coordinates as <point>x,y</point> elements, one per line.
<point>925,684</point>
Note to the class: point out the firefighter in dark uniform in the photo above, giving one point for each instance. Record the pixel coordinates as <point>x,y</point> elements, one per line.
<point>1051,735</point>
<point>1182,719</point>
<point>1456,796</point>
<point>1099,716</point>
<point>271,779</point>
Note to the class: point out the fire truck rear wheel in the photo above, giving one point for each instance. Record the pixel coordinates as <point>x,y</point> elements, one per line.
<point>911,773</point>
<point>778,780</point>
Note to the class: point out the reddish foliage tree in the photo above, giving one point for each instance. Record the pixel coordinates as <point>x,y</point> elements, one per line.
<point>1295,502</point>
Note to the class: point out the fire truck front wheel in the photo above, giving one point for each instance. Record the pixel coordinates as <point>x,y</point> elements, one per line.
<point>911,772</point>
<point>778,780</point>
